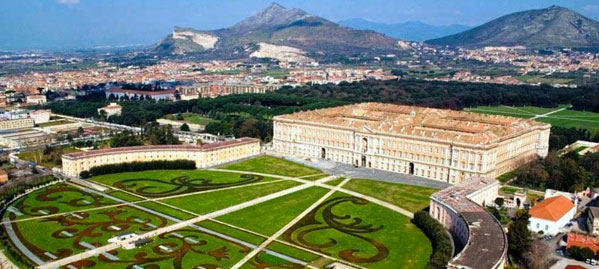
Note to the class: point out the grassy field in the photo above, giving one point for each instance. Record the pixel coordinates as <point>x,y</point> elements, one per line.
<point>344,223</point>
<point>192,118</point>
<point>54,123</point>
<point>213,201</point>
<point>57,198</point>
<point>412,198</point>
<point>344,227</point>
<point>268,217</point>
<point>273,165</point>
<point>91,227</point>
<point>567,118</point>
<point>163,183</point>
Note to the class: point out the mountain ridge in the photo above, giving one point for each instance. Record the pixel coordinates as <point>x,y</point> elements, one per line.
<point>279,26</point>
<point>554,26</point>
<point>409,30</point>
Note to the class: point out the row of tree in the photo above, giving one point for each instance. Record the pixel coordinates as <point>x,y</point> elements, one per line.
<point>442,243</point>
<point>570,172</point>
<point>138,166</point>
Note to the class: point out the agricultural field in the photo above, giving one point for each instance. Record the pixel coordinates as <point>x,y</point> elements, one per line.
<point>561,116</point>
<point>233,219</point>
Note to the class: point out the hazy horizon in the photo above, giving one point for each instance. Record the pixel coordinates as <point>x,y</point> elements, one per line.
<point>72,24</point>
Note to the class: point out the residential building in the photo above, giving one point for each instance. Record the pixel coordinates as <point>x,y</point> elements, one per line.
<point>593,220</point>
<point>550,215</point>
<point>583,241</point>
<point>479,238</point>
<point>40,116</point>
<point>36,99</point>
<point>24,138</point>
<point>3,176</point>
<point>155,95</point>
<point>438,144</point>
<point>16,124</point>
<point>113,109</point>
<point>206,155</point>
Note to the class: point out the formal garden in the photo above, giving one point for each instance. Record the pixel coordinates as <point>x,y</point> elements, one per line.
<point>290,211</point>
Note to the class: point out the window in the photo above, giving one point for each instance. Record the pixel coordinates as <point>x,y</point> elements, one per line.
<point>546,227</point>
<point>538,225</point>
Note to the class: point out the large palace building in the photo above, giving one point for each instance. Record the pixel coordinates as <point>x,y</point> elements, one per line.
<point>439,144</point>
<point>204,156</point>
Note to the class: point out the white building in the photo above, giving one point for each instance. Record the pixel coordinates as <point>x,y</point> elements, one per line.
<point>550,215</point>
<point>40,116</point>
<point>110,110</point>
<point>155,95</point>
<point>36,99</point>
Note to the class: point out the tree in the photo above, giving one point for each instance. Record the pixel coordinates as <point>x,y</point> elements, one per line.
<point>499,201</point>
<point>185,128</point>
<point>179,117</point>
<point>80,131</point>
<point>518,235</point>
<point>539,256</point>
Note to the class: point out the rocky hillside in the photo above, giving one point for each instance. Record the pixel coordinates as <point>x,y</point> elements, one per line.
<point>293,32</point>
<point>551,27</point>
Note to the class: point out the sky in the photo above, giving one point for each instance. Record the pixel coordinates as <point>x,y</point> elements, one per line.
<point>68,24</point>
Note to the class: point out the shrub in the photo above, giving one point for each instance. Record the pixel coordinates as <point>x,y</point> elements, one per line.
<point>442,244</point>
<point>141,166</point>
<point>85,174</point>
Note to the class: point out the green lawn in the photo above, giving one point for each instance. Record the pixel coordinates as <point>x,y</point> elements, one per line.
<point>335,182</point>
<point>292,252</point>
<point>163,183</point>
<point>363,233</point>
<point>412,198</point>
<point>124,196</point>
<point>566,118</point>
<point>508,190</point>
<point>93,227</point>
<point>192,118</point>
<point>57,198</point>
<point>273,165</point>
<point>230,231</point>
<point>203,203</point>
<point>54,123</point>
<point>167,210</point>
<point>268,217</point>
<point>265,260</point>
<point>184,248</point>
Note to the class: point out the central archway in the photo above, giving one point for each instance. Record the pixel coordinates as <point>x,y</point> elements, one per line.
<point>323,153</point>
<point>411,168</point>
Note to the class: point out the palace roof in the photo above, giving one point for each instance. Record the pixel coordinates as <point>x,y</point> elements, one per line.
<point>443,124</point>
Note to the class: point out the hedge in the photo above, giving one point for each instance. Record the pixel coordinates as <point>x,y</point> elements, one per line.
<point>441,240</point>
<point>138,166</point>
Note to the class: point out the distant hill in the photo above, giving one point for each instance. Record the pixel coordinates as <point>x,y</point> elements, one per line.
<point>412,30</point>
<point>277,32</point>
<point>551,27</point>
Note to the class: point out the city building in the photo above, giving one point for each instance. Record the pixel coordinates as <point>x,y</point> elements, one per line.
<point>155,95</point>
<point>3,176</point>
<point>582,241</point>
<point>40,116</point>
<point>16,124</point>
<point>438,144</point>
<point>550,215</point>
<point>479,238</point>
<point>593,220</point>
<point>206,155</point>
<point>23,138</point>
<point>36,99</point>
<point>111,110</point>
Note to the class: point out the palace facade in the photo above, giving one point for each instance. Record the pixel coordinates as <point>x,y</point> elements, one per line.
<point>438,144</point>
<point>204,156</point>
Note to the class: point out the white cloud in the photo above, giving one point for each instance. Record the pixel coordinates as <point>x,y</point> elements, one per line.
<point>68,2</point>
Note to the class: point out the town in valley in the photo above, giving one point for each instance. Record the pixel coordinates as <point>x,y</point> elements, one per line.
<point>377,134</point>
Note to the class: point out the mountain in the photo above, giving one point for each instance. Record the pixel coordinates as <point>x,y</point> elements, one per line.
<point>277,32</point>
<point>551,27</point>
<point>412,30</point>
